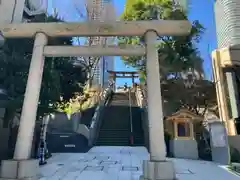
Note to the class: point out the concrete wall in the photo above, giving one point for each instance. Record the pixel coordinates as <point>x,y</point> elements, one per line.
<point>67,135</point>
<point>77,123</point>
<point>59,122</point>
<point>62,122</point>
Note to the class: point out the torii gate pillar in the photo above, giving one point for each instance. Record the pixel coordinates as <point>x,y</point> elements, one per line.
<point>22,166</point>
<point>157,168</point>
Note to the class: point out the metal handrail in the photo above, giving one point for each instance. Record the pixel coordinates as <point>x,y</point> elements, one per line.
<point>131,120</point>
<point>141,96</point>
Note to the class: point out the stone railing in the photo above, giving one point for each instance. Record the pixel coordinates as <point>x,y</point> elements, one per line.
<point>141,96</point>
<point>97,120</point>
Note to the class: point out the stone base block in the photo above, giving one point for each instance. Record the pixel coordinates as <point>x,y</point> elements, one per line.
<point>158,170</point>
<point>19,169</point>
<point>184,148</point>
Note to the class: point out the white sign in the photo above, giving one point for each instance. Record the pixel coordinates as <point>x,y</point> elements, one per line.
<point>69,145</point>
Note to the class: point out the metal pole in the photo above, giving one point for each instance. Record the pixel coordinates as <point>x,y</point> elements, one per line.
<point>103,75</point>
<point>131,123</point>
<point>103,59</point>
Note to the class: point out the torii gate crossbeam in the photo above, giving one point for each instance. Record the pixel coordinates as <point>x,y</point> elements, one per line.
<point>96,28</point>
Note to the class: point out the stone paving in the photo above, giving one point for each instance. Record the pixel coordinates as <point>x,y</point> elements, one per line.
<point>123,163</point>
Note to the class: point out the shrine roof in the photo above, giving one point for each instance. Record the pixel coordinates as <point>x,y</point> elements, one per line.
<point>184,114</point>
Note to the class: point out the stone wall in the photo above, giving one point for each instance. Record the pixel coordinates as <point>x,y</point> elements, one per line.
<point>62,133</point>
<point>62,122</point>
<point>59,122</point>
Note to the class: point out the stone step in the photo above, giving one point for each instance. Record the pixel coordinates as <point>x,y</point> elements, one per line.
<point>115,129</point>
<point>113,135</point>
<point>115,138</point>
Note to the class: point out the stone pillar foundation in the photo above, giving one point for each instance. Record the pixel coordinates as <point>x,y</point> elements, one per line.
<point>19,169</point>
<point>158,170</point>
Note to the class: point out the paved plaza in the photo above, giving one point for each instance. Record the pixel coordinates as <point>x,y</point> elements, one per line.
<point>123,163</point>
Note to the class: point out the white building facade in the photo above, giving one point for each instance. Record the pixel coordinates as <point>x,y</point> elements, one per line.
<point>227,13</point>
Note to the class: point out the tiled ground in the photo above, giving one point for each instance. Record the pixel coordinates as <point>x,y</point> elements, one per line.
<point>123,163</point>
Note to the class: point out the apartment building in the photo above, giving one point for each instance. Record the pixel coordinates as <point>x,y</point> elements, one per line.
<point>103,10</point>
<point>227,15</point>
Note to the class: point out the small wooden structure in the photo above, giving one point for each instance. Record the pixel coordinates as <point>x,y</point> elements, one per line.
<point>124,74</point>
<point>181,124</point>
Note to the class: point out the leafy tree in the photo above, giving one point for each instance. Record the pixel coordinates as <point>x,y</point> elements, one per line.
<point>60,77</point>
<point>198,98</point>
<point>177,54</point>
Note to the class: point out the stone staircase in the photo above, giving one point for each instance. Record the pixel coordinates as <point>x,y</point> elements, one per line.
<point>116,128</point>
<point>138,133</point>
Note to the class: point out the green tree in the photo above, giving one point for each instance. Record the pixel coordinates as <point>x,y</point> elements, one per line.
<point>198,98</point>
<point>60,77</point>
<point>180,53</point>
<point>176,56</point>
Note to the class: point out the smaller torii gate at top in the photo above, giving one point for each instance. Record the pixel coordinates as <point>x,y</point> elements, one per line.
<point>123,74</point>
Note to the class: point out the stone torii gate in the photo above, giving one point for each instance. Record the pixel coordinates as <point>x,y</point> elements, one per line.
<point>22,167</point>
<point>123,74</point>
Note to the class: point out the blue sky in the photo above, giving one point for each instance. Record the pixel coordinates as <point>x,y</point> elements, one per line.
<point>201,10</point>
